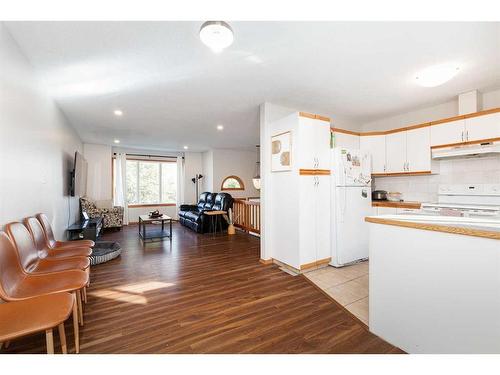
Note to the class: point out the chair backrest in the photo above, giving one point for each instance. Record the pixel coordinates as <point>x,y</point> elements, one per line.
<point>23,242</point>
<point>47,229</point>
<point>202,200</point>
<point>10,267</point>
<point>37,233</point>
<point>223,201</point>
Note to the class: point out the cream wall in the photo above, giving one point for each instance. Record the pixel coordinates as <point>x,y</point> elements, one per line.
<point>239,163</point>
<point>208,171</point>
<point>99,178</point>
<point>37,145</point>
<point>424,188</point>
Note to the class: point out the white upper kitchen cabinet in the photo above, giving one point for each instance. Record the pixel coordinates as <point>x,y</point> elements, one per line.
<point>448,133</point>
<point>322,148</point>
<point>483,127</point>
<point>349,141</point>
<point>395,152</point>
<point>304,149</point>
<point>313,144</point>
<point>375,145</point>
<point>418,150</point>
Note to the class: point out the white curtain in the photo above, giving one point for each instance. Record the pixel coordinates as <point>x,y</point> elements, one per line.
<point>180,182</point>
<point>121,184</point>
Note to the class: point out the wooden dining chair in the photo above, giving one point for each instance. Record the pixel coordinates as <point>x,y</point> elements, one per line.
<point>50,238</point>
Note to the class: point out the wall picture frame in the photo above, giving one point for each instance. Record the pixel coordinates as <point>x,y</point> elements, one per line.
<point>281,152</point>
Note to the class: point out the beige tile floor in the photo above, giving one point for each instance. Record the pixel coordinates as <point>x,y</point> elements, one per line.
<point>347,285</point>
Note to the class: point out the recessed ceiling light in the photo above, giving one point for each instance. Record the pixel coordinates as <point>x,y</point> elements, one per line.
<point>118,112</point>
<point>220,127</point>
<point>116,141</point>
<point>437,74</point>
<point>217,35</point>
<point>186,147</point>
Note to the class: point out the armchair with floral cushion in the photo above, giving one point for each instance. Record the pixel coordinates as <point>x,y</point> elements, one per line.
<point>112,215</point>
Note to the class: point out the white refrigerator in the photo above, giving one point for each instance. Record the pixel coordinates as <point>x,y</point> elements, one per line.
<point>351,203</point>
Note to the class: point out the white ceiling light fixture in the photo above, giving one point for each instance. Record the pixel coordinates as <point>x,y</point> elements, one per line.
<point>220,127</point>
<point>116,141</point>
<point>186,147</point>
<point>217,35</point>
<point>118,112</point>
<point>437,74</point>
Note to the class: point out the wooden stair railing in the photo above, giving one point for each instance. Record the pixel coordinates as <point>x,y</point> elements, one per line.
<point>246,215</point>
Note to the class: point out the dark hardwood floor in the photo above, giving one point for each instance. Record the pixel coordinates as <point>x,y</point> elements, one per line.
<point>200,294</point>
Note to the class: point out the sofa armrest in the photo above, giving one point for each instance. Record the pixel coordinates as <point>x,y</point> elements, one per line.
<point>187,207</point>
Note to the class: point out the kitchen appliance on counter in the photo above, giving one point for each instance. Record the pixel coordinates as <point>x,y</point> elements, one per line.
<point>466,200</point>
<point>351,203</point>
<point>379,195</point>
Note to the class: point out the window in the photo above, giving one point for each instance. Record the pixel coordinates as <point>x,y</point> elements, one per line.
<point>232,183</point>
<point>151,182</point>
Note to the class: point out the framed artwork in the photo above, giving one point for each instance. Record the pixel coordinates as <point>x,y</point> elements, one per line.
<point>281,152</point>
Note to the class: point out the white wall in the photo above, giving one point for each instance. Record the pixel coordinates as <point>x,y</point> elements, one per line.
<point>490,99</point>
<point>99,179</point>
<point>37,145</point>
<point>239,163</point>
<point>208,171</point>
<point>269,113</point>
<point>192,166</point>
<point>424,188</point>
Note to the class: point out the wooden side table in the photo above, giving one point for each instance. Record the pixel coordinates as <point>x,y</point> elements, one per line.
<point>215,217</point>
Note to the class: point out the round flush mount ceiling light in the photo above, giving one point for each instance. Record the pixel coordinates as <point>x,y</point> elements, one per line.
<point>217,35</point>
<point>437,74</point>
<point>186,147</point>
<point>116,141</point>
<point>220,127</point>
<point>118,112</point>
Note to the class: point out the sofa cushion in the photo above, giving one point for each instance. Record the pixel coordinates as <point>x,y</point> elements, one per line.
<point>192,215</point>
<point>209,202</point>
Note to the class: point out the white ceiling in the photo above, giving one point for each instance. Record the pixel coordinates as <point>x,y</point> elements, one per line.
<point>174,91</point>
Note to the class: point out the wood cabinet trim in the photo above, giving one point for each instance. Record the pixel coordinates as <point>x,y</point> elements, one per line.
<point>418,126</point>
<point>315,264</point>
<point>415,205</point>
<point>437,228</point>
<point>415,173</point>
<point>314,172</point>
<point>479,141</point>
<point>343,131</point>
<point>314,117</point>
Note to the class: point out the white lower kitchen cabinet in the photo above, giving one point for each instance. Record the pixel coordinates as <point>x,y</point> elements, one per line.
<point>433,292</point>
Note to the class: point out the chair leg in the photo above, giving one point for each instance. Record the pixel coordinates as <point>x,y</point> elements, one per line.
<point>50,341</point>
<point>75,324</point>
<point>80,307</point>
<point>85,294</point>
<point>62,338</point>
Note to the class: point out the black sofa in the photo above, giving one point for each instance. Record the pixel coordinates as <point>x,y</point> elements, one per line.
<point>192,215</point>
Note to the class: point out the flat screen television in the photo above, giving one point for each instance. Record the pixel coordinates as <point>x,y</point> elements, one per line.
<point>78,185</point>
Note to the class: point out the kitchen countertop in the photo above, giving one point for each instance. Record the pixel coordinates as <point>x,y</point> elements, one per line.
<point>461,226</point>
<point>401,204</point>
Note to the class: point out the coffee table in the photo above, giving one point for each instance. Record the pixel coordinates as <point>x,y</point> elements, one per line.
<point>154,233</point>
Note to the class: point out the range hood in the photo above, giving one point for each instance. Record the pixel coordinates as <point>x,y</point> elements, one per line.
<point>484,149</point>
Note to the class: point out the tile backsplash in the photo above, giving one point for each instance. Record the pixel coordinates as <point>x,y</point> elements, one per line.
<point>479,170</point>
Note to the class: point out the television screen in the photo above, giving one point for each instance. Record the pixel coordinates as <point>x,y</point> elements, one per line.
<point>79,176</point>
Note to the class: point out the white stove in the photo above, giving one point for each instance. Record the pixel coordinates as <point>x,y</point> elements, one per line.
<point>466,200</point>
